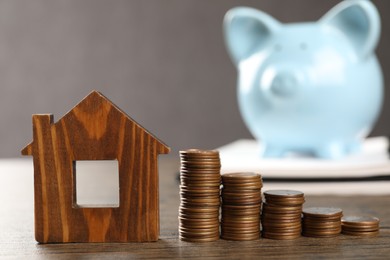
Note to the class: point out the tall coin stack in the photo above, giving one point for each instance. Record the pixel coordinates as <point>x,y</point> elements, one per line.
<point>321,222</point>
<point>363,226</point>
<point>281,215</point>
<point>200,181</point>
<point>241,204</point>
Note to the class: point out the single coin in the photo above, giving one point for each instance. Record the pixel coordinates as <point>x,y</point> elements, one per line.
<point>199,188</point>
<point>322,212</point>
<point>237,228</point>
<point>242,219</point>
<point>188,204</point>
<point>281,215</point>
<point>195,225</point>
<point>240,207</point>
<point>242,175</point>
<point>197,215</point>
<point>284,230</point>
<point>202,200</point>
<point>286,202</point>
<point>241,198</point>
<point>281,224</point>
<point>241,202</point>
<point>240,213</point>
<point>210,233</point>
<point>206,217</point>
<point>200,225</point>
<point>280,220</point>
<point>243,212</point>
<point>321,226</point>
<point>375,225</point>
<point>233,238</point>
<point>292,199</point>
<point>198,152</point>
<point>334,219</point>
<point>359,229</point>
<point>240,181</point>
<point>243,187</point>
<point>254,188</point>
<point>199,174</point>
<point>198,203</point>
<point>199,222</point>
<point>282,208</point>
<point>198,162</point>
<point>201,229</point>
<point>201,167</point>
<point>239,231</point>
<point>200,158</point>
<point>240,228</point>
<point>283,193</point>
<point>199,191</point>
<point>199,240</point>
<point>200,179</point>
<point>359,220</point>
<point>239,222</point>
<point>199,209</point>
<point>198,235</point>
<point>241,193</point>
<point>200,185</point>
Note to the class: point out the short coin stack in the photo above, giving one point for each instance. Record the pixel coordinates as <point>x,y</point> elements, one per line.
<point>200,181</point>
<point>241,203</point>
<point>322,222</point>
<point>281,215</point>
<point>360,226</point>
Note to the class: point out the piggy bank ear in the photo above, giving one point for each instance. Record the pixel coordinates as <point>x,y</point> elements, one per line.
<point>246,30</point>
<point>359,21</point>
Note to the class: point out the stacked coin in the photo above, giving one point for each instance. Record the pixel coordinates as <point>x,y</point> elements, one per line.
<point>241,203</point>
<point>281,215</point>
<point>322,222</point>
<point>200,181</point>
<point>360,226</point>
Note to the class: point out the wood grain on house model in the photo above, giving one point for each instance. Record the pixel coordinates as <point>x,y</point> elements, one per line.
<point>95,129</point>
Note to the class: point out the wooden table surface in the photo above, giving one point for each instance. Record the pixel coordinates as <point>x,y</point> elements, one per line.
<point>17,235</point>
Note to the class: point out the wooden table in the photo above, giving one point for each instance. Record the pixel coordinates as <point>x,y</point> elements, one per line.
<point>17,235</point>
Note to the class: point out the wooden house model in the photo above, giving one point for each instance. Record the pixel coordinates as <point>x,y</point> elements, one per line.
<point>95,129</point>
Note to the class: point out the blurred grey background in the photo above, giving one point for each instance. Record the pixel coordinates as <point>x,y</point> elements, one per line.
<point>163,62</point>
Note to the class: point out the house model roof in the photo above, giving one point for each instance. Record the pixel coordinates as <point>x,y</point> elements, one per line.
<point>94,109</point>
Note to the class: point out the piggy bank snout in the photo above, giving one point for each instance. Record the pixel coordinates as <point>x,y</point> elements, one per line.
<point>283,83</point>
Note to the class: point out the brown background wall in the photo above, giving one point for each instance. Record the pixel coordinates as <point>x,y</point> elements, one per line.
<point>163,62</point>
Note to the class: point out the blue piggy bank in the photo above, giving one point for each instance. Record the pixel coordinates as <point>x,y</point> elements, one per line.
<point>314,87</point>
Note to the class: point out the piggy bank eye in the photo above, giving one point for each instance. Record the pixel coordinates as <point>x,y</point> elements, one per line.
<point>278,47</point>
<point>303,46</point>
